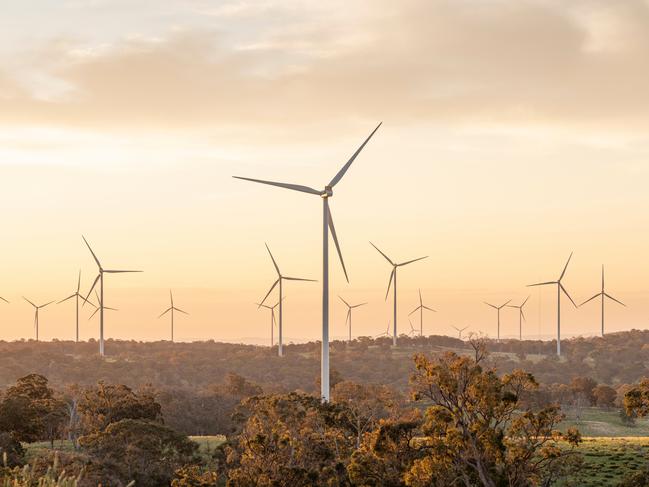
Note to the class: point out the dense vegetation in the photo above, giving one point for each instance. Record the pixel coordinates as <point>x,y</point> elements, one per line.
<point>434,411</point>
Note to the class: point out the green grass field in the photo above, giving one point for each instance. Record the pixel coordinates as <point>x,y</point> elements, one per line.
<point>595,422</point>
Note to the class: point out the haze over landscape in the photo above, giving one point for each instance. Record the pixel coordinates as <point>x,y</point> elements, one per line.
<point>500,153</point>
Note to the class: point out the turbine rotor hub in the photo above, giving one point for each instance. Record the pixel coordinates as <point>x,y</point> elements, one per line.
<point>328,192</point>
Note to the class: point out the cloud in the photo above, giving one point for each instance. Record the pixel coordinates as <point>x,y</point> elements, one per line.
<point>522,62</point>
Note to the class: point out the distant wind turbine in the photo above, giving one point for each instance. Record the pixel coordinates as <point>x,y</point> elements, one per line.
<point>421,309</point>
<point>348,319</point>
<point>272,320</point>
<point>386,333</point>
<point>460,330</point>
<point>76,295</point>
<point>100,279</point>
<point>327,224</point>
<point>498,308</point>
<point>560,289</point>
<point>393,278</point>
<point>36,309</point>
<point>603,294</point>
<point>98,307</point>
<point>521,317</point>
<point>413,330</point>
<point>280,279</point>
<point>171,309</point>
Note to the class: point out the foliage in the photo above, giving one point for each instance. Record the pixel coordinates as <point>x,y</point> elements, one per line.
<point>194,476</point>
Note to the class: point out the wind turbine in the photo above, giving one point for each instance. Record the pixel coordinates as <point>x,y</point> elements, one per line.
<point>521,317</point>
<point>272,320</point>
<point>413,331</point>
<point>98,307</point>
<point>385,333</point>
<point>348,319</point>
<point>36,309</point>
<point>498,308</point>
<point>603,294</point>
<point>393,278</point>
<point>172,308</point>
<point>560,289</point>
<point>100,278</point>
<point>327,224</point>
<point>76,295</point>
<point>421,309</point>
<point>280,279</point>
<point>460,330</point>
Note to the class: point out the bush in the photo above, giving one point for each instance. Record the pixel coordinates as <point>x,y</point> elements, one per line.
<point>11,451</point>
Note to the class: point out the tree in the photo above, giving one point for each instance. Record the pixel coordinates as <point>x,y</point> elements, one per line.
<point>604,396</point>
<point>583,387</point>
<point>475,432</point>
<point>636,399</point>
<point>110,403</point>
<point>144,451</point>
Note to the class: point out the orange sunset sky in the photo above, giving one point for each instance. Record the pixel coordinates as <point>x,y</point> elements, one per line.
<point>514,132</point>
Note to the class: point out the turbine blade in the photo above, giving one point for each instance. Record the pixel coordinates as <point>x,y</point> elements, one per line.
<point>112,309</point>
<point>64,300</point>
<point>342,172</point>
<point>93,313</point>
<point>523,315</point>
<point>430,309</point>
<point>30,302</point>
<point>294,187</point>
<point>421,302</point>
<point>414,310</point>
<point>269,291</point>
<point>413,260</point>
<point>344,301</point>
<point>299,279</point>
<point>590,299</point>
<point>85,300</point>
<point>181,311</point>
<point>489,304</point>
<point>569,297</point>
<point>542,283</point>
<point>171,297</point>
<point>349,312</point>
<point>386,257</point>
<point>163,313</point>
<point>4,300</point>
<point>566,267</point>
<point>611,297</point>
<point>118,271</point>
<point>359,305</point>
<point>79,282</point>
<point>389,283</point>
<point>273,259</point>
<point>528,297</point>
<point>264,306</point>
<point>335,238</point>
<point>93,254</point>
<point>46,304</point>
<point>503,305</point>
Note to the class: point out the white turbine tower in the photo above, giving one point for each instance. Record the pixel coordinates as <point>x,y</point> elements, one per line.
<point>272,320</point>
<point>498,308</point>
<point>421,309</point>
<point>280,280</point>
<point>100,278</point>
<point>603,295</point>
<point>348,319</point>
<point>171,309</point>
<point>521,317</point>
<point>327,224</point>
<point>76,295</point>
<point>560,289</point>
<point>36,309</point>
<point>460,330</point>
<point>393,278</point>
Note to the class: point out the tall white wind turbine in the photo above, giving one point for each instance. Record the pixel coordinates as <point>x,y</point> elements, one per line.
<point>348,319</point>
<point>327,225</point>
<point>393,278</point>
<point>560,289</point>
<point>498,308</point>
<point>171,310</point>
<point>273,323</point>
<point>77,296</point>
<point>521,317</point>
<point>460,330</point>
<point>36,309</point>
<point>100,279</point>
<point>603,295</point>
<point>280,280</point>
<point>421,309</point>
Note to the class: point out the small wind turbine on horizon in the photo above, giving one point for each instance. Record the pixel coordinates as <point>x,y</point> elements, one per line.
<point>560,289</point>
<point>172,308</point>
<point>459,330</point>
<point>603,294</point>
<point>413,330</point>
<point>393,278</point>
<point>280,279</point>
<point>348,319</point>
<point>327,225</point>
<point>521,317</point>
<point>386,333</point>
<point>100,279</point>
<point>272,320</point>
<point>77,296</point>
<point>97,307</point>
<point>421,309</point>
<point>498,308</point>
<point>36,309</point>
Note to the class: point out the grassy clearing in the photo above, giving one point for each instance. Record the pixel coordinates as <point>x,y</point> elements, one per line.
<point>595,422</point>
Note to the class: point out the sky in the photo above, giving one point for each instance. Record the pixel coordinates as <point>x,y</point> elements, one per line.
<point>514,133</point>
